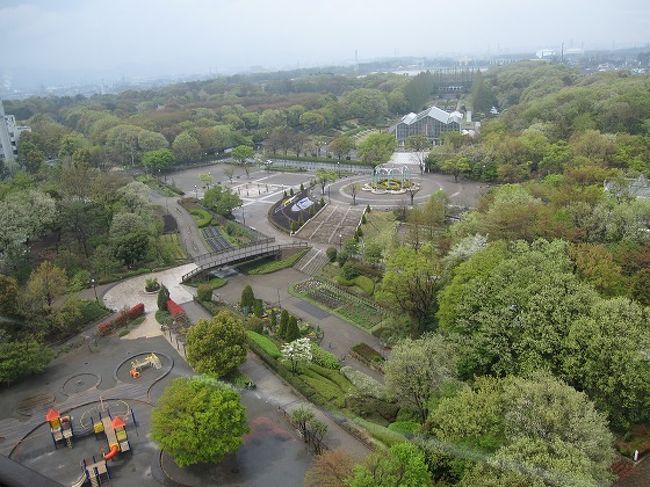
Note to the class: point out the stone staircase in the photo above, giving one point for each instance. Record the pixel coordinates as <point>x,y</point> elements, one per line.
<point>312,262</point>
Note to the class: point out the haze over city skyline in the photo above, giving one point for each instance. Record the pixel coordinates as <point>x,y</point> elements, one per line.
<point>77,39</point>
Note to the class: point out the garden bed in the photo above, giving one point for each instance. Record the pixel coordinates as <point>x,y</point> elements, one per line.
<point>368,355</point>
<point>348,306</point>
<point>292,212</point>
<point>268,266</point>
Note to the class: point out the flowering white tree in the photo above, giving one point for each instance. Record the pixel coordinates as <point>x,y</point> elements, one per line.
<point>297,352</point>
<point>467,247</point>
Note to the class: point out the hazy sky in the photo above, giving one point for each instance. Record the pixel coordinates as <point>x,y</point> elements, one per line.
<point>194,36</point>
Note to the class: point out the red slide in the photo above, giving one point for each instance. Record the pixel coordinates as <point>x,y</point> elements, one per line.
<point>114,451</point>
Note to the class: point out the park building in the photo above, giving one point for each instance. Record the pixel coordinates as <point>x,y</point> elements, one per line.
<point>9,136</point>
<point>432,123</point>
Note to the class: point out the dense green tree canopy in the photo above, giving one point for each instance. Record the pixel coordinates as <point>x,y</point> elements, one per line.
<point>198,420</point>
<point>517,316</point>
<point>22,358</point>
<point>496,418</point>
<point>186,148</point>
<point>411,281</point>
<point>222,200</point>
<point>402,465</point>
<point>158,160</point>
<point>216,346</point>
<point>416,369</point>
<point>377,148</point>
<point>366,104</point>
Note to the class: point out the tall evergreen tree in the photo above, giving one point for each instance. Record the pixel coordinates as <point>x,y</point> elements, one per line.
<point>293,332</point>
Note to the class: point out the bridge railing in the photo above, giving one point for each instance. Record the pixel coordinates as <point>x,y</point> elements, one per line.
<point>223,258</point>
<point>200,259</point>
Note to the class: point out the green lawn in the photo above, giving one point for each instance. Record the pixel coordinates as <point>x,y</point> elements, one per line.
<point>275,265</point>
<point>173,245</point>
<point>92,311</point>
<point>364,283</point>
<point>380,227</point>
<point>202,217</point>
<point>214,283</point>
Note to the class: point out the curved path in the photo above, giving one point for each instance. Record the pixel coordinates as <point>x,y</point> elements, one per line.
<point>462,193</point>
<point>190,234</point>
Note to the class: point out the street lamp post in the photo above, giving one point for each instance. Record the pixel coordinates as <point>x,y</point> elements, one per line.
<point>243,215</point>
<point>93,283</point>
<point>340,238</point>
<point>196,191</point>
<point>338,168</point>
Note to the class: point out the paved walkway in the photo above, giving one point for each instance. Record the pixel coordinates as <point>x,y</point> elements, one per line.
<point>131,291</point>
<point>339,335</point>
<point>271,389</point>
<point>190,234</point>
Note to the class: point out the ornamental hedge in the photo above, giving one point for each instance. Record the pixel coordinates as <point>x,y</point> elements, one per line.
<point>264,343</point>
<point>121,320</point>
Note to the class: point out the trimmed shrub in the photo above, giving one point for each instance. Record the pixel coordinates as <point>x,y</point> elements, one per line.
<point>254,323</point>
<point>323,387</point>
<point>104,328</point>
<point>284,323</point>
<point>366,352</point>
<point>174,309</point>
<point>331,253</point>
<point>349,271</point>
<point>163,296</point>
<point>135,311</point>
<point>202,217</point>
<point>322,357</point>
<point>264,343</point>
<point>333,375</point>
<point>293,332</point>
<point>151,285</point>
<point>247,299</point>
<point>204,292</point>
<point>121,320</point>
<point>386,436</point>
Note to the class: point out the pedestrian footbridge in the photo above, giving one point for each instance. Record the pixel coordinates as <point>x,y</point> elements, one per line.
<point>265,248</point>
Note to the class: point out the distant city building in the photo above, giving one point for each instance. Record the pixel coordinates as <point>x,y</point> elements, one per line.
<point>9,136</point>
<point>545,53</point>
<point>432,123</point>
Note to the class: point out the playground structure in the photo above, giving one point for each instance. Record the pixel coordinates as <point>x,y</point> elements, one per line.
<point>60,428</point>
<point>113,427</point>
<point>151,360</point>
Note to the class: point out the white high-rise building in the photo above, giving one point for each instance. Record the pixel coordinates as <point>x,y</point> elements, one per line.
<point>9,136</point>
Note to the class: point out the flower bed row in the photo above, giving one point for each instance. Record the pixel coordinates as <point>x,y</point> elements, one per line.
<point>368,355</point>
<point>121,320</point>
<point>360,311</point>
